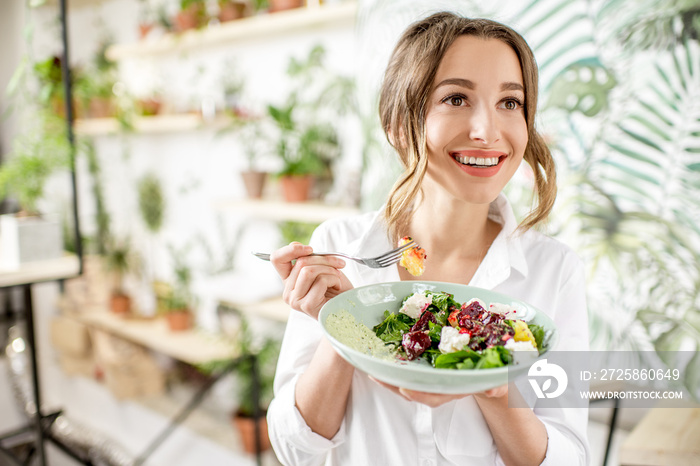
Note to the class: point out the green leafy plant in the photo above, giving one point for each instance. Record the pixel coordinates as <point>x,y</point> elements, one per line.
<point>120,259</point>
<point>266,353</point>
<point>628,144</point>
<point>249,350</point>
<point>35,157</point>
<point>179,293</point>
<point>296,231</point>
<point>94,84</point>
<point>306,142</point>
<point>151,202</point>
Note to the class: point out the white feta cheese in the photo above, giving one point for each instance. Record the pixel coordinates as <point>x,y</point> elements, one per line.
<point>451,340</point>
<point>416,304</point>
<point>513,345</point>
<point>524,352</point>
<point>503,309</point>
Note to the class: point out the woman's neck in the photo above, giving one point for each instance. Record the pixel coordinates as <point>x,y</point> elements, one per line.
<point>455,234</point>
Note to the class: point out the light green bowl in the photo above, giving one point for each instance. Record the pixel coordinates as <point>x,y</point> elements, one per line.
<point>368,303</point>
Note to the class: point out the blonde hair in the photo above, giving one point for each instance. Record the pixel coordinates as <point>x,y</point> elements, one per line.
<point>404,95</point>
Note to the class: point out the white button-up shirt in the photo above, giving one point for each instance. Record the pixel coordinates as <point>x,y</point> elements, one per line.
<point>382,428</point>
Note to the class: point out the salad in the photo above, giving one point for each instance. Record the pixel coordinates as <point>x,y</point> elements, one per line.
<point>453,335</point>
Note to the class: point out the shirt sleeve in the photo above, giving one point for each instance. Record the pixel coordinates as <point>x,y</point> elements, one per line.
<point>292,439</point>
<point>567,427</point>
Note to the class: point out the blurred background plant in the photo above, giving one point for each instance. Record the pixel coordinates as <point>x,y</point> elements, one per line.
<point>306,134</point>
<point>622,86</point>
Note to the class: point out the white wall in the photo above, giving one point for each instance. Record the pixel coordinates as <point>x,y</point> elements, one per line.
<point>11,24</point>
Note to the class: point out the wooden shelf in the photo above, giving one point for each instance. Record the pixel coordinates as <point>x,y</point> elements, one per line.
<point>278,210</point>
<point>74,3</point>
<point>255,27</point>
<point>190,346</point>
<point>668,434</point>
<point>149,125</point>
<point>41,271</point>
<point>273,308</point>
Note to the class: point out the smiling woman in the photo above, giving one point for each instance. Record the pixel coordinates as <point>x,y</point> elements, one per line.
<point>458,105</point>
<point>475,122</point>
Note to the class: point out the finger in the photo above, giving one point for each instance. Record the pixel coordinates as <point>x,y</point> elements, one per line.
<point>497,392</point>
<point>304,272</point>
<point>311,289</point>
<point>283,258</point>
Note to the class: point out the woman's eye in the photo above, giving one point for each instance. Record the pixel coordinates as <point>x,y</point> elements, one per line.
<point>455,100</point>
<point>511,104</point>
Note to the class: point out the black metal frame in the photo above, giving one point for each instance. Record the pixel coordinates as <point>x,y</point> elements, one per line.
<point>197,399</point>
<point>42,422</point>
<point>611,426</point>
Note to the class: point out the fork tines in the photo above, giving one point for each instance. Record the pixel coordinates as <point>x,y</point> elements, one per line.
<point>394,256</point>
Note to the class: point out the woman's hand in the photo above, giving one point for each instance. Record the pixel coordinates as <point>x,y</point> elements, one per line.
<point>435,399</point>
<point>309,281</point>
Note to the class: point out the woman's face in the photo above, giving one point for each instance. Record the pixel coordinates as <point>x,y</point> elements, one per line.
<point>475,120</point>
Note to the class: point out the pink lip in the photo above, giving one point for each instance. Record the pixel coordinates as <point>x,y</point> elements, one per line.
<point>483,172</point>
<point>479,153</point>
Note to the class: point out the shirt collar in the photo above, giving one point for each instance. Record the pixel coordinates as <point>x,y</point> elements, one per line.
<point>505,254</point>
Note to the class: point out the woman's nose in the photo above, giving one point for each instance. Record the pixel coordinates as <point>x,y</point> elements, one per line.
<point>483,126</point>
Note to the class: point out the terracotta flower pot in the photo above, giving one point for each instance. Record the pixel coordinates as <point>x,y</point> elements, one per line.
<point>120,304</point>
<point>100,107</point>
<point>254,182</point>
<point>149,107</point>
<point>179,320</point>
<point>246,430</point>
<point>192,17</point>
<point>144,29</point>
<point>231,10</point>
<point>296,188</point>
<point>280,5</point>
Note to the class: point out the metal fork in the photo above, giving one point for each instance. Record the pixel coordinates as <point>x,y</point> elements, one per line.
<point>385,260</point>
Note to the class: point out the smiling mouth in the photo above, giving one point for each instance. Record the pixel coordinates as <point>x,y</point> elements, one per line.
<point>479,162</point>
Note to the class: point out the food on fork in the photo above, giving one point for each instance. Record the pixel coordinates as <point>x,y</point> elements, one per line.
<point>413,259</point>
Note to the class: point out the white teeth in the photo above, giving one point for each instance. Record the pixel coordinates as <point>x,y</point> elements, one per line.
<point>481,161</point>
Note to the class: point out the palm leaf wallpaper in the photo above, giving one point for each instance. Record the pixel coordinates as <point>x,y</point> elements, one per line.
<point>620,108</point>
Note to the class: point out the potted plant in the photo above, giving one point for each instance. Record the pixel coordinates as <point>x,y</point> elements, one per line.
<point>178,300</point>
<point>191,15</point>
<point>306,143</point>
<point>249,131</point>
<point>51,92</point>
<point>254,357</point>
<point>252,138</point>
<point>29,234</point>
<point>120,260</point>
<point>306,153</point>
<point>281,5</point>
<point>230,10</point>
<point>94,85</point>
<point>264,356</point>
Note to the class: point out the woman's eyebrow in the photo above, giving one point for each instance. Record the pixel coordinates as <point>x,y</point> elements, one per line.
<point>506,86</point>
<point>512,86</point>
<point>457,81</point>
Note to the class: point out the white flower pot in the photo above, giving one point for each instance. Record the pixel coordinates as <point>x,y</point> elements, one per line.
<point>29,239</point>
